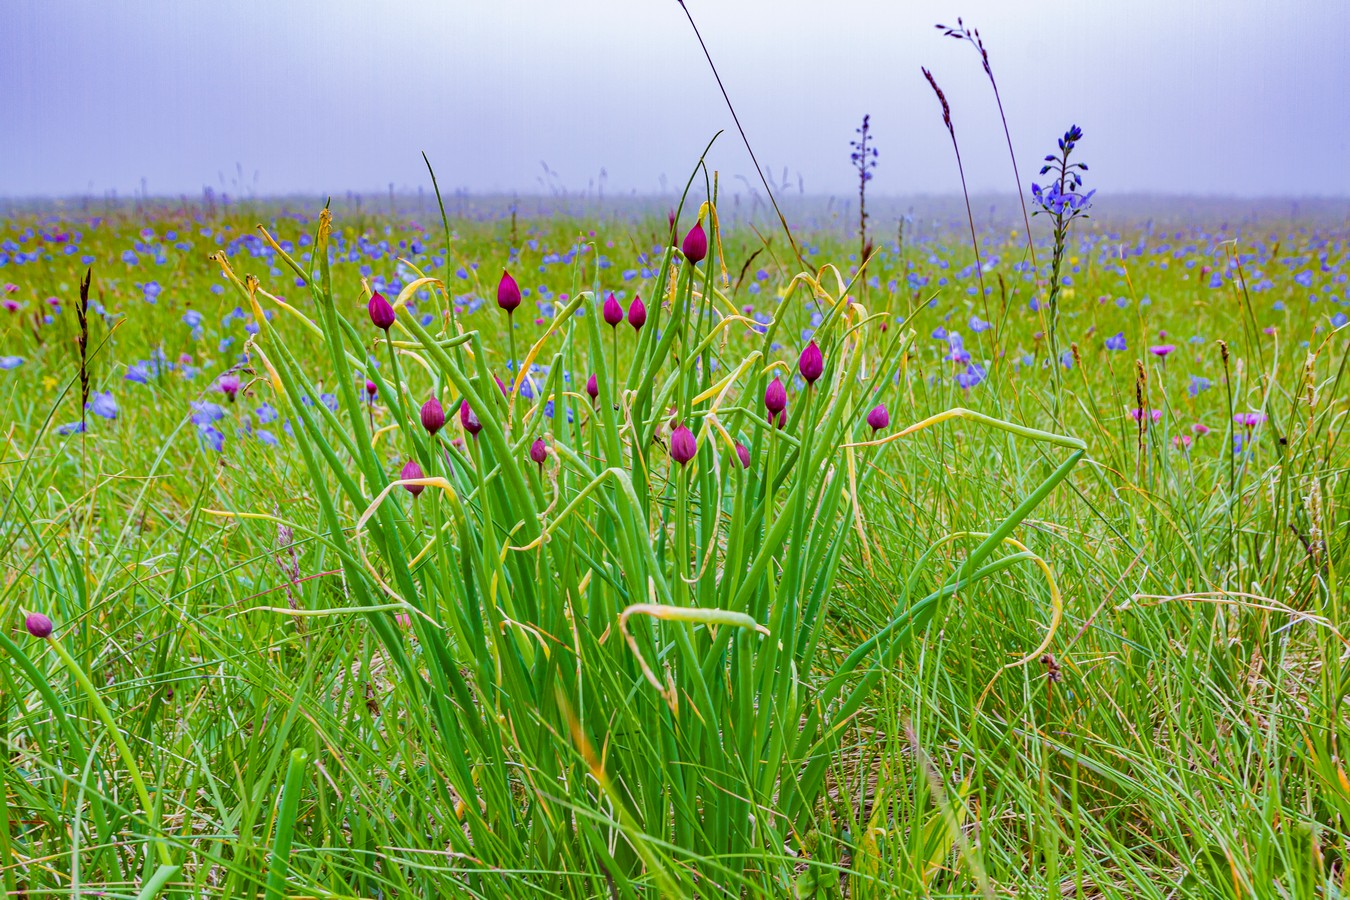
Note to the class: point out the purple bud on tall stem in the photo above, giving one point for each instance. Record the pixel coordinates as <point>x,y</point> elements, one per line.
<point>38,625</point>
<point>433,416</point>
<point>381,313</point>
<point>370,390</point>
<point>412,470</point>
<point>229,386</point>
<point>508,293</point>
<point>775,397</point>
<point>811,364</point>
<point>612,311</point>
<point>878,418</point>
<point>779,418</point>
<point>539,451</point>
<point>468,419</point>
<point>683,446</point>
<point>592,387</point>
<point>637,313</point>
<point>695,245</point>
<point>743,454</point>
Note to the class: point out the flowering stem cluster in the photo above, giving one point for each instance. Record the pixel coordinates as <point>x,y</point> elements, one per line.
<point>1064,204</point>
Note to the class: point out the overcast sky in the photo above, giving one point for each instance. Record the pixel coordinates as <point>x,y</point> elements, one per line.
<point>1232,97</point>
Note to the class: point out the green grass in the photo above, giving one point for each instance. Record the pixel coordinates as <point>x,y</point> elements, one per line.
<point>1006,653</point>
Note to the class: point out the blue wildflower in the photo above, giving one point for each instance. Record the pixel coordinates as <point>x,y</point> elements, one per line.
<point>214,437</point>
<point>1198,384</point>
<point>972,376</point>
<point>71,428</point>
<point>204,412</point>
<point>13,362</point>
<point>1116,341</point>
<point>103,404</point>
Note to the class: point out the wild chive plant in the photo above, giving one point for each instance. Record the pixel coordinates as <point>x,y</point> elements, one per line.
<point>1062,201</point>
<point>620,605</point>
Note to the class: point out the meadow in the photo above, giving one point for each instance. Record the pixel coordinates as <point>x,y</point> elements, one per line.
<point>672,565</point>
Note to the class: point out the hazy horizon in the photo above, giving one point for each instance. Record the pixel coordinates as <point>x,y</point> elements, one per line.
<point>1204,99</point>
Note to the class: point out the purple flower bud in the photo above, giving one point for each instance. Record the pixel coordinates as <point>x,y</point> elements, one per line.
<point>695,245</point>
<point>743,455</point>
<point>779,419</point>
<point>433,416</point>
<point>371,389</point>
<point>878,418</point>
<point>508,293</point>
<point>637,313</point>
<point>411,470</point>
<point>592,387</point>
<point>612,311</point>
<point>775,397</point>
<point>38,625</point>
<point>468,419</point>
<point>381,313</point>
<point>539,451</point>
<point>811,363</point>
<point>229,386</point>
<point>683,446</point>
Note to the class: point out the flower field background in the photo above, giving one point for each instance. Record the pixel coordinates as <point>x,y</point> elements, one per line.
<point>667,568</point>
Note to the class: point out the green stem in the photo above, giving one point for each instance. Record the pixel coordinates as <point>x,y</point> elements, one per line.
<point>123,750</point>
<point>281,844</point>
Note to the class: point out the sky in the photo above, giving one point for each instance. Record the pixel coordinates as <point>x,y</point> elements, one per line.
<point>1188,97</point>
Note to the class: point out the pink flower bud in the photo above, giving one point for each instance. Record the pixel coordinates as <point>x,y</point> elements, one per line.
<point>743,454</point>
<point>637,313</point>
<point>433,416</point>
<point>775,397</point>
<point>468,419</point>
<point>695,245</point>
<point>592,387</point>
<point>879,418</point>
<point>38,625</point>
<point>381,313</point>
<point>508,293</point>
<point>411,470</point>
<point>229,386</point>
<point>779,418</point>
<point>539,451</point>
<point>612,311</point>
<point>370,390</point>
<point>811,363</point>
<point>683,446</point>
